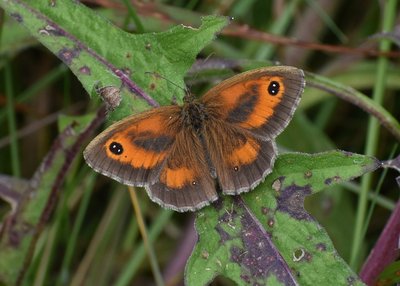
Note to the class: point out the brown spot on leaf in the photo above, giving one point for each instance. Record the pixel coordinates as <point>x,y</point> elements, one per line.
<point>321,246</point>
<point>291,201</point>
<point>332,180</point>
<point>17,17</point>
<point>351,280</point>
<point>308,256</point>
<point>265,210</point>
<point>308,174</point>
<point>85,70</point>
<point>205,254</point>
<point>68,55</point>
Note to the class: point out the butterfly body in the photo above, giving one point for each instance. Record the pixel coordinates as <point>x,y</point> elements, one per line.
<point>194,114</point>
<point>226,137</point>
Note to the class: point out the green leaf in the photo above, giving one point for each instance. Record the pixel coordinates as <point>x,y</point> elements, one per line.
<point>266,237</point>
<point>96,51</point>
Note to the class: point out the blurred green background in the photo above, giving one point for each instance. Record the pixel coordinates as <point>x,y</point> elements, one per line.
<point>93,237</point>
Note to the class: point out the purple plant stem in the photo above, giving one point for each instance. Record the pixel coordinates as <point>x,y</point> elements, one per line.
<point>284,275</point>
<point>386,249</point>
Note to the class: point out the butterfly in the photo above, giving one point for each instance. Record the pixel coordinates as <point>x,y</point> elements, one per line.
<point>224,141</point>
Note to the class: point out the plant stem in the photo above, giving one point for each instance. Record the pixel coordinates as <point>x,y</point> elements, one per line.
<point>12,125</point>
<point>146,241</point>
<point>372,135</point>
<point>134,16</point>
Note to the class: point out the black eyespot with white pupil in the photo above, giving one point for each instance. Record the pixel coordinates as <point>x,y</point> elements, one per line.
<point>273,88</point>
<point>116,148</point>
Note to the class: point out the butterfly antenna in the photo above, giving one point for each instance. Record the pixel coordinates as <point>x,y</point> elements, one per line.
<point>185,89</point>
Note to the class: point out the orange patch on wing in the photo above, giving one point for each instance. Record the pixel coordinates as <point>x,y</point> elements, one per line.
<point>152,124</point>
<point>245,154</point>
<point>177,178</point>
<point>267,103</point>
<point>231,95</point>
<point>265,106</point>
<point>134,155</point>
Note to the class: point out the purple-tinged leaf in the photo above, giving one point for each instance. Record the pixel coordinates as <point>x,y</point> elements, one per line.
<point>236,239</point>
<point>234,244</point>
<point>22,227</point>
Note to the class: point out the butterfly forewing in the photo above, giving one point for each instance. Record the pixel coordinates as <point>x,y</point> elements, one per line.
<point>262,101</point>
<point>153,149</point>
<point>133,150</point>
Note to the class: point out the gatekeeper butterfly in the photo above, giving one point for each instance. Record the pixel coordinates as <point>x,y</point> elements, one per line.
<point>224,140</point>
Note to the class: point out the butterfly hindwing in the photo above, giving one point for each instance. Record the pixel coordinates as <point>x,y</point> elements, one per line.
<point>240,159</point>
<point>184,182</point>
<point>262,101</point>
